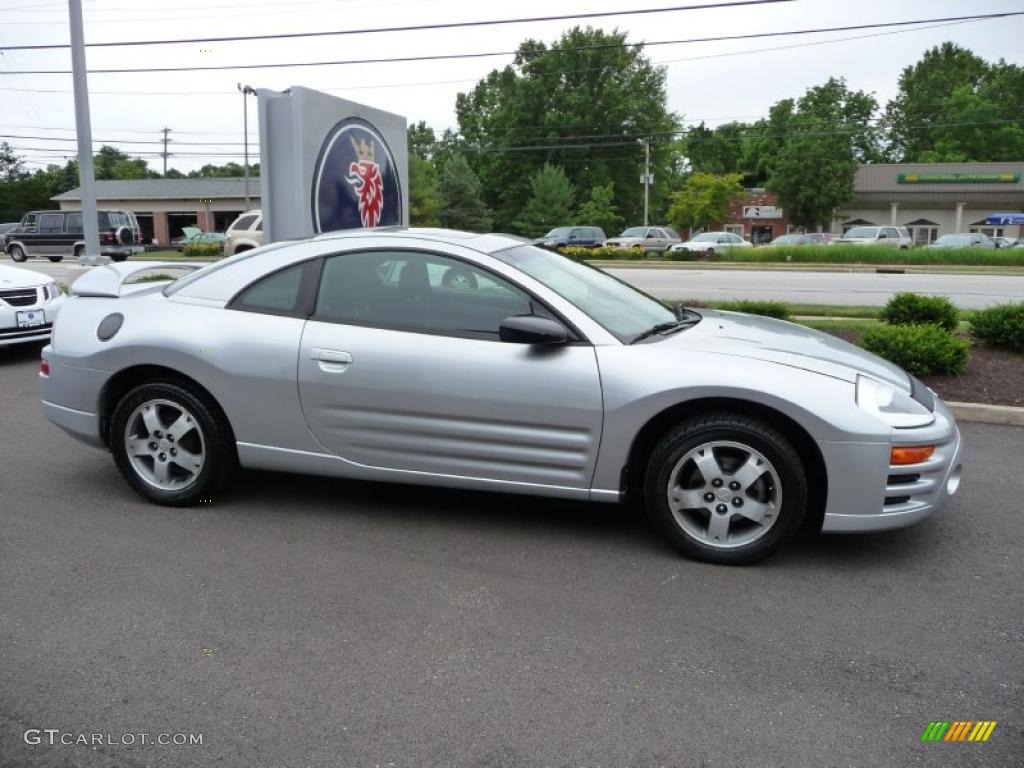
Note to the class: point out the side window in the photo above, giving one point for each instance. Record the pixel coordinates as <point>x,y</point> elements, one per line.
<point>243,223</point>
<point>419,292</point>
<point>259,226</point>
<point>279,293</point>
<point>28,224</point>
<point>51,223</point>
<point>74,223</point>
<point>891,233</point>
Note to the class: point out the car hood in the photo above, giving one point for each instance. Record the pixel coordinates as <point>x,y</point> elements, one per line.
<point>12,277</point>
<point>775,341</point>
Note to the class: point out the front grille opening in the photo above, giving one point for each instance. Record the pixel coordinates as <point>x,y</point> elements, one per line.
<point>893,500</point>
<point>903,479</point>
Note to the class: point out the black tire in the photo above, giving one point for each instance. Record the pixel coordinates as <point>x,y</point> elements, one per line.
<point>769,442</point>
<point>55,259</point>
<point>457,277</point>
<point>17,253</point>
<point>221,455</point>
<point>79,251</point>
<point>118,257</point>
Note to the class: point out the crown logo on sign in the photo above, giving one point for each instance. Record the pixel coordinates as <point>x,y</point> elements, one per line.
<point>364,150</point>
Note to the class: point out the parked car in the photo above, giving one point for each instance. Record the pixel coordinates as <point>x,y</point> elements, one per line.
<point>29,303</point>
<point>577,237</point>
<point>1004,242</point>
<point>244,233</point>
<point>195,236</point>
<point>963,240</point>
<point>348,355</point>
<point>896,237</point>
<point>7,227</point>
<point>651,239</point>
<point>56,234</point>
<point>804,238</point>
<point>711,243</point>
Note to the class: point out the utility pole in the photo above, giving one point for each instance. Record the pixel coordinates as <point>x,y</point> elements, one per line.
<point>245,91</point>
<point>83,130</point>
<point>647,177</point>
<point>166,131</point>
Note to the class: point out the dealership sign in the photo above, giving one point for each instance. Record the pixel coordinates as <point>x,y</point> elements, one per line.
<point>761,212</point>
<point>1006,219</point>
<point>328,164</point>
<point>1006,177</point>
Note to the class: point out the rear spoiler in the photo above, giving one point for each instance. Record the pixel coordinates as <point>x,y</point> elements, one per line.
<point>108,280</point>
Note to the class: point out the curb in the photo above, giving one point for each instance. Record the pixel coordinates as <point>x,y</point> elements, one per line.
<point>984,413</point>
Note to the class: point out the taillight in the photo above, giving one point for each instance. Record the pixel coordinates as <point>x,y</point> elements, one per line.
<point>44,368</point>
<point>108,237</point>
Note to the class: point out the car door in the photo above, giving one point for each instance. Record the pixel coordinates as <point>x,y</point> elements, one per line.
<point>400,368</point>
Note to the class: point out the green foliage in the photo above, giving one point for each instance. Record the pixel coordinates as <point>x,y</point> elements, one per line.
<point>600,211</point>
<point>812,174</point>
<point>717,151</point>
<point>229,170</point>
<point>462,203</point>
<point>918,349</point>
<point>606,252</point>
<point>202,250</point>
<point>584,84</point>
<point>551,202</point>
<point>1002,324</point>
<point>703,200</point>
<point>881,254</point>
<point>421,140</point>
<point>777,309</point>
<point>425,201</point>
<point>915,309</point>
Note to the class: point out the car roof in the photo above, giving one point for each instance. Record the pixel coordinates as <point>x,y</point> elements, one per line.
<point>485,243</point>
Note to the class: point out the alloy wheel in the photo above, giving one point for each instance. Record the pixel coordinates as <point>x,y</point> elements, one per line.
<point>165,445</point>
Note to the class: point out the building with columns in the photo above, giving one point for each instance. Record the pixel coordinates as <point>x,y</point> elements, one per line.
<point>929,199</point>
<point>165,206</point>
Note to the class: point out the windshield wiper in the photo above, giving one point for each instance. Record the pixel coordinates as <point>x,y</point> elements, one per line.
<point>665,329</point>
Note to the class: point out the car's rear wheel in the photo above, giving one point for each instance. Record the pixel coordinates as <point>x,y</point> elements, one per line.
<point>726,488</point>
<point>17,253</point>
<point>171,444</point>
<point>79,251</point>
<point>55,259</point>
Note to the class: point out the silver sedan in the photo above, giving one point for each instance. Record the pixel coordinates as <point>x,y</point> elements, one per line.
<point>476,361</point>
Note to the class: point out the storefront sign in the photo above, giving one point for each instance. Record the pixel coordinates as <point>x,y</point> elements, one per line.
<point>1005,219</point>
<point>1007,177</point>
<point>761,212</point>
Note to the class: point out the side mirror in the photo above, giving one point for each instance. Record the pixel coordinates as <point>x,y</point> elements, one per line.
<point>532,329</point>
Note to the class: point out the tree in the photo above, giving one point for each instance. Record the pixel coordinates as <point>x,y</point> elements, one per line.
<point>580,103</point>
<point>230,170</point>
<point>551,202</point>
<point>703,200</point>
<point>717,151</point>
<point>425,202</point>
<point>830,133</point>
<point>972,130</point>
<point>599,210</point>
<point>11,165</point>
<point>920,101</point>
<point>421,140</point>
<point>112,163</point>
<point>463,204</point>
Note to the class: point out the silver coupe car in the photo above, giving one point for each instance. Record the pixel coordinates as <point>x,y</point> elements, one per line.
<point>477,361</point>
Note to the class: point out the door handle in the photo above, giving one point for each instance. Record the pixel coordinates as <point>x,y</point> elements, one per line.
<point>331,360</point>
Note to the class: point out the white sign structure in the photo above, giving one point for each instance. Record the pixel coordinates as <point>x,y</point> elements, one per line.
<point>761,212</point>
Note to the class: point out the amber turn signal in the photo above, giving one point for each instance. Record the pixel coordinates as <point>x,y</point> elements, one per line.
<point>911,454</point>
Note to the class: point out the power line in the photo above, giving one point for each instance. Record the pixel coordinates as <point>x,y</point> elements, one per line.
<point>483,54</point>
<point>407,28</point>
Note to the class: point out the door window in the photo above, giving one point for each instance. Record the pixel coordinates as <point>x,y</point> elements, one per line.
<point>74,223</point>
<point>279,293</point>
<point>51,223</point>
<point>419,292</point>
<point>28,224</point>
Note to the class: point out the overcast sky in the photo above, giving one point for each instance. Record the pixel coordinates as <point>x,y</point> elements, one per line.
<point>703,84</point>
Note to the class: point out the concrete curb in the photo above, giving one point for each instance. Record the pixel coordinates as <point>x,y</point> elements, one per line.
<point>988,414</point>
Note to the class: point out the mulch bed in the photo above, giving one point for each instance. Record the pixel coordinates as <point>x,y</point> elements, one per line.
<point>993,375</point>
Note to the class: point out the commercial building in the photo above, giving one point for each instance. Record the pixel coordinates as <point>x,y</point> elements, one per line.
<point>929,199</point>
<point>164,206</point>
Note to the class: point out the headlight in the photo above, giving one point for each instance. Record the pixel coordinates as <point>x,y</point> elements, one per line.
<point>895,408</point>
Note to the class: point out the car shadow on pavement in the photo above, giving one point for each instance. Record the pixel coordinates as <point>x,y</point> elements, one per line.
<point>21,353</point>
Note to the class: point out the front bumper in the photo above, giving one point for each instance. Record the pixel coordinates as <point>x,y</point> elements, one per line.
<point>10,333</point>
<point>866,493</point>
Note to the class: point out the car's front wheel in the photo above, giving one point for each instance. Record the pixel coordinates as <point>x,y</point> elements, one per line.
<point>55,259</point>
<point>171,444</point>
<point>726,488</point>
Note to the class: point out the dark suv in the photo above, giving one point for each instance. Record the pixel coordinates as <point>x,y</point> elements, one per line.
<point>577,237</point>
<point>56,234</point>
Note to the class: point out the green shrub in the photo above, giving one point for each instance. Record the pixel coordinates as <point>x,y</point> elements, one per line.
<point>1002,324</point>
<point>776,309</point>
<point>875,254</point>
<point>202,250</point>
<point>918,349</point>
<point>605,252</point>
<point>914,309</point>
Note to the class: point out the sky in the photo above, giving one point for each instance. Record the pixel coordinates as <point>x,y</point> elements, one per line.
<point>714,82</point>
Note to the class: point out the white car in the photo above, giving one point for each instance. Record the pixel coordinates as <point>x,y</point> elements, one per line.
<point>245,233</point>
<point>29,303</point>
<point>711,243</point>
<point>894,237</point>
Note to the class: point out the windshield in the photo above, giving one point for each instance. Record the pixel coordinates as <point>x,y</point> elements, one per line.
<point>868,232</point>
<point>621,309</point>
<point>558,232</point>
<point>787,239</point>
<point>707,237</point>
<point>635,232</point>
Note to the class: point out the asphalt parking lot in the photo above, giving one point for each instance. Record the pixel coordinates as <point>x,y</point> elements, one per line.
<point>315,622</point>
